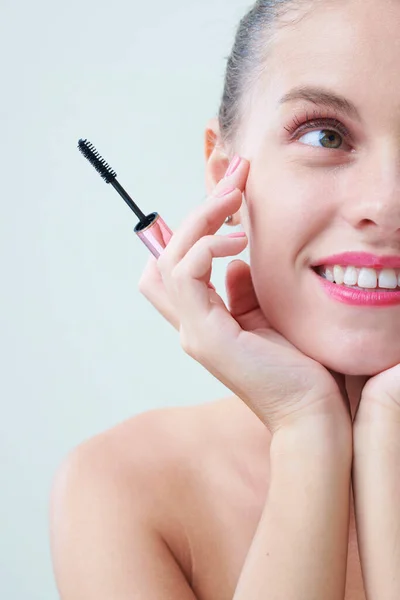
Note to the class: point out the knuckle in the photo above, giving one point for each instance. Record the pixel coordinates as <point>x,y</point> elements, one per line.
<point>189,346</point>
<point>205,241</point>
<point>201,246</point>
<point>179,272</point>
<point>207,216</point>
<point>145,283</point>
<point>148,293</point>
<point>143,286</point>
<point>186,346</point>
<point>149,287</point>
<point>163,262</point>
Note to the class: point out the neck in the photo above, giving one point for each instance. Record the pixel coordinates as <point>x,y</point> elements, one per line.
<point>354,386</point>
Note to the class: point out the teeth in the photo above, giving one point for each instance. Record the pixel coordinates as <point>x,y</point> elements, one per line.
<point>329,274</point>
<point>351,276</point>
<point>365,278</point>
<point>338,273</point>
<point>388,278</point>
<point>368,278</point>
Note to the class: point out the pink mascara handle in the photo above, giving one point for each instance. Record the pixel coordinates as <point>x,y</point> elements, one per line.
<point>156,237</point>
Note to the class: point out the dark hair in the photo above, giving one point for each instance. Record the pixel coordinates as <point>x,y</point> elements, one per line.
<point>247,59</point>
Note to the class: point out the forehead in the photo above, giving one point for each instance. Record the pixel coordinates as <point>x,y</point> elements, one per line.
<point>350,46</point>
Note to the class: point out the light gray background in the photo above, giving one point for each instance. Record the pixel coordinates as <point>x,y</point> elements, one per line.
<point>139,80</point>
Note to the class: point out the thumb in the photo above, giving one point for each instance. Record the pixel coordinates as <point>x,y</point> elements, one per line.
<point>240,291</point>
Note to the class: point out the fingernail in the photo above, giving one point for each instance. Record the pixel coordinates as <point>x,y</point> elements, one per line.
<point>225,192</point>
<point>235,162</point>
<point>237,234</point>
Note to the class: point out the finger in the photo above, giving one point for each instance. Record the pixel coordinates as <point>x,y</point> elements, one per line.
<point>152,287</point>
<point>242,299</point>
<point>240,291</point>
<point>206,219</point>
<point>150,275</point>
<point>190,277</point>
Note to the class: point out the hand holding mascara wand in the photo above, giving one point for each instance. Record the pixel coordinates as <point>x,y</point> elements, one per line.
<point>151,229</point>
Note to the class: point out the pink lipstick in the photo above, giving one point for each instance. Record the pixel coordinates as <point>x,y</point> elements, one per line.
<point>349,295</point>
<point>353,295</point>
<point>360,259</point>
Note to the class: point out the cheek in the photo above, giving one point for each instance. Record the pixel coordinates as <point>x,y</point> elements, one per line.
<point>278,209</point>
<point>290,202</point>
<point>286,216</point>
<point>289,217</point>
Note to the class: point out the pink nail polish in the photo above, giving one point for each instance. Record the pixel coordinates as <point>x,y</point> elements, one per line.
<point>235,162</point>
<point>237,234</point>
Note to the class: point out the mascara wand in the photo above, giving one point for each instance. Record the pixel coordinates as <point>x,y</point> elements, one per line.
<point>151,229</point>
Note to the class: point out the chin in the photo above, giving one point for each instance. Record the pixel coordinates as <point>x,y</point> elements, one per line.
<point>350,359</point>
<point>357,367</point>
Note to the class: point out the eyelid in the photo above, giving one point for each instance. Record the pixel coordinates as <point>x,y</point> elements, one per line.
<point>329,124</point>
<point>306,121</point>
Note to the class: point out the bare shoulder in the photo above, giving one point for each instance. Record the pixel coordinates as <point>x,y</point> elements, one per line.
<point>146,449</point>
<point>156,454</point>
<point>159,448</point>
<point>141,470</point>
<point>147,483</point>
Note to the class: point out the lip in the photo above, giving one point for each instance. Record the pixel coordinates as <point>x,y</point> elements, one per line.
<point>360,259</point>
<point>348,295</point>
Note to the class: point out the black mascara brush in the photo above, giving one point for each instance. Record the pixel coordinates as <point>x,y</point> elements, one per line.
<point>151,229</point>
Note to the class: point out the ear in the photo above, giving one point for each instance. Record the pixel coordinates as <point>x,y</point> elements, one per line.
<point>217,158</point>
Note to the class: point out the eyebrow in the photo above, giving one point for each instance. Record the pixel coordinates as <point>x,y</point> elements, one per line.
<point>323,97</point>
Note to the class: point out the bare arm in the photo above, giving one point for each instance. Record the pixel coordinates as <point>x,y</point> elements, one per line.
<point>299,551</point>
<point>104,509</point>
<point>376,488</point>
<point>106,544</point>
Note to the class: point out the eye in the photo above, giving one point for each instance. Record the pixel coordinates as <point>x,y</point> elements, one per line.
<point>327,138</point>
<point>322,131</point>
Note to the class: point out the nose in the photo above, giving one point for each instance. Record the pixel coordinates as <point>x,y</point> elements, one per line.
<point>373,207</point>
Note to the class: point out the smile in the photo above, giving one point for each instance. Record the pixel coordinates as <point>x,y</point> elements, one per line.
<point>364,278</point>
<point>354,286</point>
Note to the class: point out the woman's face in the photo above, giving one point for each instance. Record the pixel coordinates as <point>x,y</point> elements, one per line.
<point>330,188</point>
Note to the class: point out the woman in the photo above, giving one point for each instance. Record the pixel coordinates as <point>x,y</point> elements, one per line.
<point>249,497</point>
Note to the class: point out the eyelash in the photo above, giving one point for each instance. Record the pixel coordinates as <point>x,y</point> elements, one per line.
<point>318,121</point>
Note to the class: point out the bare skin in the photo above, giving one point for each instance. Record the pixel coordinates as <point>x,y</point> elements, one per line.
<point>240,470</point>
<point>215,460</point>
<point>233,495</point>
<point>180,491</point>
<point>232,498</point>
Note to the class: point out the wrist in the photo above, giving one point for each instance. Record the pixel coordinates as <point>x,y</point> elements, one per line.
<point>325,436</point>
<point>311,413</point>
<point>376,431</point>
<point>377,421</point>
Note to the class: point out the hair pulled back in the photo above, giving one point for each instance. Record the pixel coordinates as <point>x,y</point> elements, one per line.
<point>246,62</point>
